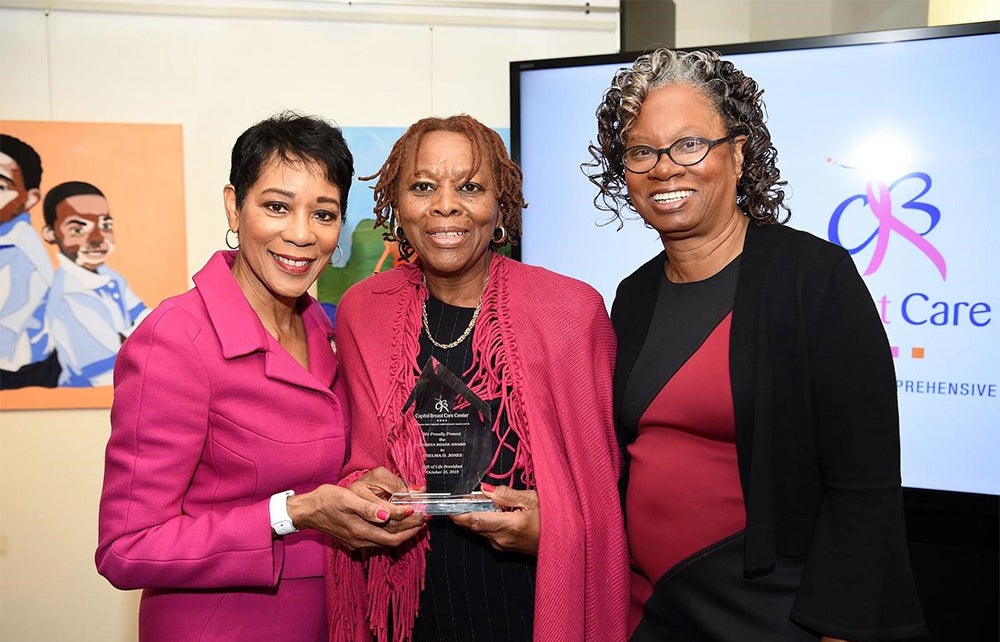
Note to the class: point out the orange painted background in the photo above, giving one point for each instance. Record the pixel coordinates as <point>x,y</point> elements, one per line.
<point>140,169</point>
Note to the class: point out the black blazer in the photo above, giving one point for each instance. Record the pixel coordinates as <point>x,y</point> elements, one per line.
<point>817,428</point>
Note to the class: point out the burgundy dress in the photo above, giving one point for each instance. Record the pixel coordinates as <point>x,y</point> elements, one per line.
<point>684,508</point>
<point>684,488</point>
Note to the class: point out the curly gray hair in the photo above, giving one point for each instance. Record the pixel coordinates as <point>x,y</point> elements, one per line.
<point>736,98</point>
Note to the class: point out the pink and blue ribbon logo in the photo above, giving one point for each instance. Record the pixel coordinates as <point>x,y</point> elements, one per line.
<point>878,199</point>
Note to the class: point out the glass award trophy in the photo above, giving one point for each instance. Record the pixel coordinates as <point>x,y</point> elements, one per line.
<point>458,441</point>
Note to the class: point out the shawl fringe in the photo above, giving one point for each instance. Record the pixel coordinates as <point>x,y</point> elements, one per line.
<point>396,578</point>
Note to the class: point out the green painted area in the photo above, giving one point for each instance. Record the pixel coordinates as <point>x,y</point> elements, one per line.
<point>366,249</point>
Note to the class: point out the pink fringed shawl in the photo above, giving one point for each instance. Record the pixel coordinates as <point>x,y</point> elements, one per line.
<point>548,339</point>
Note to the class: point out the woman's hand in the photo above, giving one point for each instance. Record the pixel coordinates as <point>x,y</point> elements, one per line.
<point>359,516</point>
<point>377,486</point>
<point>515,527</point>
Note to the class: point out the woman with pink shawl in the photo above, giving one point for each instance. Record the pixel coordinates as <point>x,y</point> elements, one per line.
<point>548,561</point>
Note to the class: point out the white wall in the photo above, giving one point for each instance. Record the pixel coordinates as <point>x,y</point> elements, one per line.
<point>719,22</point>
<point>215,76</point>
<point>947,12</point>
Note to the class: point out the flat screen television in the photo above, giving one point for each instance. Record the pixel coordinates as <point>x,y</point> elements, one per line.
<point>915,112</point>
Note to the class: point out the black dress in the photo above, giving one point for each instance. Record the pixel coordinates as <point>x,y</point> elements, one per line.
<point>472,593</point>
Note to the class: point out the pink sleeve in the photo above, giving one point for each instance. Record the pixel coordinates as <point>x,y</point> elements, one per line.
<point>159,422</point>
<point>368,441</point>
<point>346,590</point>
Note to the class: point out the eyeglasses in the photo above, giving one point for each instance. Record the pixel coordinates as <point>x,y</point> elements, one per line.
<point>687,151</point>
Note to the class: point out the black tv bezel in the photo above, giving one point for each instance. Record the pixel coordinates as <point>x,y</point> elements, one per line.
<point>934,517</point>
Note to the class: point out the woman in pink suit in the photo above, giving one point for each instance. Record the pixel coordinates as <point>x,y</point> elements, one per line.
<point>230,424</point>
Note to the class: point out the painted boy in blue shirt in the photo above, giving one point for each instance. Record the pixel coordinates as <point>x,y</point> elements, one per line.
<point>26,354</point>
<point>91,309</point>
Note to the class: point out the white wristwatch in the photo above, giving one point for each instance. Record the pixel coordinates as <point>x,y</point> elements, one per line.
<point>280,520</point>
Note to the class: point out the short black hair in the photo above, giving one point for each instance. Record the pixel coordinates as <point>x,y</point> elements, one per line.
<point>60,193</point>
<point>291,137</point>
<point>26,157</point>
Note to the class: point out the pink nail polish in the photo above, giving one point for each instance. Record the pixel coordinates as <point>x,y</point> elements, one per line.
<point>409,511</point>
<point>382,514</point>
<point>489,488</point>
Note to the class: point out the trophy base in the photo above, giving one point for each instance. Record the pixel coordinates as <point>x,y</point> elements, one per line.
<point>443,503</point>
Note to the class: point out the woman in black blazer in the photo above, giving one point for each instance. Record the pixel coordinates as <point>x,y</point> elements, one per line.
<point>754,388</point>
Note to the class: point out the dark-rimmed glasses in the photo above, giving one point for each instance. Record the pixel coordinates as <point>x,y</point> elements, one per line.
<point>687,151</point>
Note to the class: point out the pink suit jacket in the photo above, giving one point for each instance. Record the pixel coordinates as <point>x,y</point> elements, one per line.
<point>211,417</point>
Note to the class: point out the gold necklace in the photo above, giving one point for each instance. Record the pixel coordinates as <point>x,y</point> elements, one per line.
<point>468,329</point>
